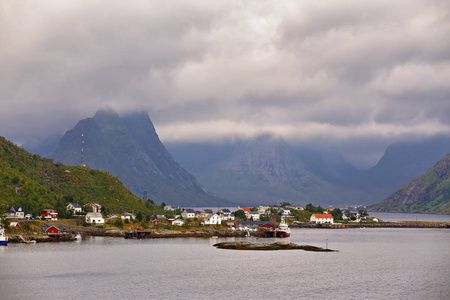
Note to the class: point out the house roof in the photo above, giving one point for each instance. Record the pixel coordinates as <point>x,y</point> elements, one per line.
<point>94,215</point>
<point>323,216</point>
<point>127,214</point>
<point>226,210</point>
<point>16,208</point>
<point>76,205</point>
<point>190,211</point>
<point>246,209</point>
<point>53,227</point>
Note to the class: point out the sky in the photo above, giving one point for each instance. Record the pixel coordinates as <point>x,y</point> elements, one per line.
<point>354,74</point>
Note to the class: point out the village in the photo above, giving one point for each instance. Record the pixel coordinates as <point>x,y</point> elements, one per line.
<point>243,220</point>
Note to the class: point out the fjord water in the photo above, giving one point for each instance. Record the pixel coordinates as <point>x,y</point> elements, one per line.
<point>371,263</point>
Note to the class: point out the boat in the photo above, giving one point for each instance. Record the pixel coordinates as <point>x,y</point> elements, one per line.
<point>283,229</point>
<point>78,237</point>
<point>3,236</point>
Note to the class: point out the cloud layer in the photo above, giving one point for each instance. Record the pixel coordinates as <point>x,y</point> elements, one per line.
<point>206,70</point>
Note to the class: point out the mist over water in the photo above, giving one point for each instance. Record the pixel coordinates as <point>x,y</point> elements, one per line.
<point>371,263</point>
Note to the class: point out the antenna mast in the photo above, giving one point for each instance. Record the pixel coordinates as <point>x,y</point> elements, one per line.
<point>82,145</point>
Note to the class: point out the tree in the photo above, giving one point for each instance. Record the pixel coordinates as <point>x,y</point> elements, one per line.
<point>139,216</point>
<point>265,218</point>
<point>118,223</point>
<point>363,213</point>
<point>337,214</point>
<point>240,214</point>
<point>5,222</point>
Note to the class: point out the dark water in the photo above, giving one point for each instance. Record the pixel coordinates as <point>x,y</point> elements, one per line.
<point>370,264</point>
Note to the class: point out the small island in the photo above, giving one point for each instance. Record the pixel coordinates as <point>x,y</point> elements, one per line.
<point>282,245</point>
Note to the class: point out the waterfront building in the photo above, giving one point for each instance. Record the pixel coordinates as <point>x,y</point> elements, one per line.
<point>53,230</point>
<point>94,218</point>
<point>322,219</point>
<point>213,219</point>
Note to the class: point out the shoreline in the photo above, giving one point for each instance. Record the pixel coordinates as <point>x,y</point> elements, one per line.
<point>69,231</point>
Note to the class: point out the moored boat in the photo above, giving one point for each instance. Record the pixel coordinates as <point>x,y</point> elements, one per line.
<point>3,236</point>
<point>283,229</point>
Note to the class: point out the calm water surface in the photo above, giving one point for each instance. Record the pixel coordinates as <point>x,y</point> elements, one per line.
<point>371,264</point>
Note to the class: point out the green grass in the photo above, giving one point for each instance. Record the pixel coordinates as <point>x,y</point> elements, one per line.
<point>37,183</point>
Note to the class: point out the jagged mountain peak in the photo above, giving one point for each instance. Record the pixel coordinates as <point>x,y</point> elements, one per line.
<point>128,147</point>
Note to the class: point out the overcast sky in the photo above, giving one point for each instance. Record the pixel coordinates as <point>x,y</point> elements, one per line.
<point>340,71</point>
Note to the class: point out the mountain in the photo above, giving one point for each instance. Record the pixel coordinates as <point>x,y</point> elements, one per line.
<point>37,183</point>
<point>428,193</point>
<point>268,170</point>
<point>261,170</point>
<point>129,148</point>
<point>401,162</point>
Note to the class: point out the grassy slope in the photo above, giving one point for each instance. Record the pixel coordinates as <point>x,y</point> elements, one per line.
<point>37,183</point>
<point>429,193</point>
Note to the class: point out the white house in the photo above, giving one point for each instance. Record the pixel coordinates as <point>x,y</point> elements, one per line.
<point>226,215</point>
<point>213,219</point>
<point>127,216</point>
<point>263,210</point>
<point>253,215</point>
<point>75,207</point>
<point>188,214</point>
<point>16,212</point>
<point>95,218</point>
<point>178,222</point>
<point>322,219</point>
<point>285,212</point>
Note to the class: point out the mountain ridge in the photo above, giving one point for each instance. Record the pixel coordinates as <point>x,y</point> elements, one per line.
<point>129,147</point>
<point>429,192</point>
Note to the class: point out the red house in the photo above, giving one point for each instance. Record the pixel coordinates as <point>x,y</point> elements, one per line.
<point>267,226</point>
<point>52,230</point>
<point>155,222</point>
<point>49,214</point>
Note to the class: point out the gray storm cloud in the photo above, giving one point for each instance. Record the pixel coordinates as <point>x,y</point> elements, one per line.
<point>341,70</point>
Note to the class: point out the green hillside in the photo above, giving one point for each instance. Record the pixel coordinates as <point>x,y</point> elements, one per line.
<point>37,183</point>
<point>429,193</point>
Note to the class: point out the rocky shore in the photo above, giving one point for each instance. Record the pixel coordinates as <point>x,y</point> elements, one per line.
<point>282,245</point>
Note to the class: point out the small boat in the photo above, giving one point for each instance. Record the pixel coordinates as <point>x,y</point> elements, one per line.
<point>78,237</point>
<point>3,237</point>
<point>283,229</point>
<point>26,240</point>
